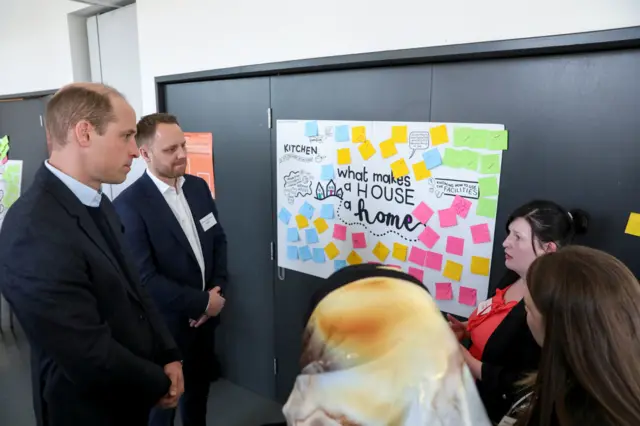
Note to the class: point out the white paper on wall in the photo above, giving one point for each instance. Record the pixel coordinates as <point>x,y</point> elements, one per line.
<point>418,196</point>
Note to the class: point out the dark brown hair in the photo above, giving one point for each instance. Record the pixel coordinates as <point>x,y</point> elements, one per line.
<point>148,125</point>
<point>589,375</point>
<point>77,102</point>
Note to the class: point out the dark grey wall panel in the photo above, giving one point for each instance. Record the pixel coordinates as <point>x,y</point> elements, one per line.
<point>387,94</point>
<point>573,135</point>
<point>235,111</point>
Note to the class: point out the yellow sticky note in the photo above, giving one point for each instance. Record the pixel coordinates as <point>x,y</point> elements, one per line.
<point>321,225</point>
<point>332,251</point>
<point>453,270</point>
<point>359,134</point>
<point>480,265</point>
<point>388,149</point>
<point>399,134</point>
<point>399,168</point>
<point>367,150</point>
<point>400,252</point>
<point>381,251</point>
<point>439,135</point>
<point>633,225</point>
<point>354,258</point>
<point>302,221</point>
<point>344,156</point>
<point>420,171</point>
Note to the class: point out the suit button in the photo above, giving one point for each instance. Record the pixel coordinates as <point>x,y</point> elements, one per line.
<point>141,317</point>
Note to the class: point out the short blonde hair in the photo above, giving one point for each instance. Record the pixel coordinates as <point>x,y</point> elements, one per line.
<point>77,102</point>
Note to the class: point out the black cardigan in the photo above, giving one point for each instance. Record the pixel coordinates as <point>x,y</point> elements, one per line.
<point>509,355</point>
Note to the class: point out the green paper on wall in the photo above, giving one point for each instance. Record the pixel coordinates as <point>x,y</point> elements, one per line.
<point>452,158</point>
<point>490,164</point>
<point>487,207</point>
<point>497,140</point>
<point>488,186</point>
<point>469,160</point>
<point>462,136</point>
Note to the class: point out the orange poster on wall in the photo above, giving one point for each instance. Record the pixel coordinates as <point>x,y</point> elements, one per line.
<point>200,157</point>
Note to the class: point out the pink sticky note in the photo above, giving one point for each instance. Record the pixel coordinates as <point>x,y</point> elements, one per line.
<point>480,233</point>
<point>339,232</point>
<point>4,161</point>
<point>468,296</point>
<point>444,291</point>
<point>417,256</point>
<point>455,245</point>
<point>447,218</point>
<point>423,213</point>
<point>433,260</point>
<point>429,237</point>
<point>359,240</point>
<point>416,273</point>
<point>461,206</point>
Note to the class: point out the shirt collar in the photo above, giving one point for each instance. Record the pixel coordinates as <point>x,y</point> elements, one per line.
<point>163,187</point>
<point>87,195</point>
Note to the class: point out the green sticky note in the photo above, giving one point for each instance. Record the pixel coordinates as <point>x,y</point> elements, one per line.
<point>12,176</point>
<point>488,186</point>
<point>490,164</point>
<point>497,140</point>
<point>3,151</point>
<point>4,142</point>
<point>478,139</point>
<point>451,157</point>
<point>469,160</point>
<point>487,207</point>
<point>462,136</point>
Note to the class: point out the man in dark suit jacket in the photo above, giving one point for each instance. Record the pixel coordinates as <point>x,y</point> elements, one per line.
<point>101,353</point>
<point>180,249</point>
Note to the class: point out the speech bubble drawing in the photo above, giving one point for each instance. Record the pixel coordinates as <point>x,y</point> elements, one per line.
<point>297,184</point>
<point>418,141</point>
<point>453,187</point>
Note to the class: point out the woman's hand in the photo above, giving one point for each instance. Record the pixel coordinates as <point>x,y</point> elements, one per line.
<point>474,365</point>
<point>458,328</point>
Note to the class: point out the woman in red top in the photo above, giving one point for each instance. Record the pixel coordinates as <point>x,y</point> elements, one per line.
<point>502,348</point>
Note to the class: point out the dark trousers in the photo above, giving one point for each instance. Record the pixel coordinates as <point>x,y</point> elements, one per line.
<point>199,369</point>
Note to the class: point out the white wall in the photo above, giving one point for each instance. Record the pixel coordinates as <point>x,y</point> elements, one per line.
<point>177,36</point>
<point>35,47</point>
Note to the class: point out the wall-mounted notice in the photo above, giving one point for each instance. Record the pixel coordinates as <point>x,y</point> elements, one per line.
<point>200,157</point>
<point>419,196</point>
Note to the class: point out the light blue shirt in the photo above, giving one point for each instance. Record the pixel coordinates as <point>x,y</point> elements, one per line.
<point>87,195</point>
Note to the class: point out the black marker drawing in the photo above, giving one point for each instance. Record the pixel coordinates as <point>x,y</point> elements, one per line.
<point>297,184</point>
<point>322,193</point>
<point>418,141</point>
<point>453,187</point>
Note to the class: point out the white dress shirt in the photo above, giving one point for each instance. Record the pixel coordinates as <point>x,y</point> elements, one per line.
<point>87,195</point>
<point>180,208</point>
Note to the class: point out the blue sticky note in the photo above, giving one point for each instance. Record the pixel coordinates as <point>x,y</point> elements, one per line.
<point>311,128</point>
<point>318,255</point>
<point>326,212</point>
<point>342,133</point>
<point>307,210</point>
<point>312,235</point>
<point>284,216</point>
<point>305,253</point>
<point>292,235</point>
<point>339,264</point>
<point>292,252</point>
<point>327,172</point>
<point>432,158</point>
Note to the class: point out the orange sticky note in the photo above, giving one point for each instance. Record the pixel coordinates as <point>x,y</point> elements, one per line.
<point>399,134</point>
<point>302,221</point>
<point>388,149</point>
<point>381,251</point>
<point>633,225</point>
<point>399,168</point>
<point>420,171</point>
<point>344,156</point>
<point>321,225</point>
<point>480,265</point>
<point>439,135</point>
<point>453,270</point>
<point>366,150</point>
<point>359,134</point>
<point>400,252</point>
<point>354,258</point>
<point>331,250</point>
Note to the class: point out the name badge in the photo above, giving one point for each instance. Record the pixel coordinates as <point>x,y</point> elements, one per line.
<point>507,421</point>
<point>208,222</point>
<point>484,307</point>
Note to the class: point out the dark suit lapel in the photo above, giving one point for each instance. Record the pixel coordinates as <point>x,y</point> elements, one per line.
<point>191,194</point>
<point>160,208</point>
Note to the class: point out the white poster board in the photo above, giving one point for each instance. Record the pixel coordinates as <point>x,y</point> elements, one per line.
<point>421,197</point>
<point>10,185</point>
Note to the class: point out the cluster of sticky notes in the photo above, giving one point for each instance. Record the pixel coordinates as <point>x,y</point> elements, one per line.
<point>4,150</point>
<point>633,225</point>
<point>466,296</point>
<point>494,140</point>
<point>461,159</point>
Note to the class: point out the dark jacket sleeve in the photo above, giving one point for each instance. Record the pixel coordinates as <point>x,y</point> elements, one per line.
<point>220,274</point>
<point>57,309</point>
<point>168,294</point>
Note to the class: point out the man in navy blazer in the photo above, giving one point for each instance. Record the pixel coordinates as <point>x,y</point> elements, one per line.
<point>180,249</point>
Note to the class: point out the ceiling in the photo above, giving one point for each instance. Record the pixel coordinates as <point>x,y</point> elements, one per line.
<point>107,3</point>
